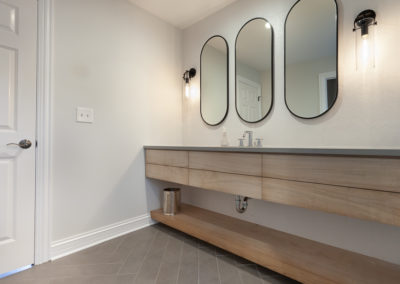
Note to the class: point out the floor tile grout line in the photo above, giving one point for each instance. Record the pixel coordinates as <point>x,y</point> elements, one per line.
<point>119,270</point>
<point>127,256</point>
<point>124,262</point>
<point>240,274</point>
<point>180,261</point>
<point>219,273</point>
<point>162,258</point>
<point>120,243</point>
<point>198,265</point>
<point>147,253</point>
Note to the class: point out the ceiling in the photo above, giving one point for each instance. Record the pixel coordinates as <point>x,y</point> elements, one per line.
<point>182,13</point>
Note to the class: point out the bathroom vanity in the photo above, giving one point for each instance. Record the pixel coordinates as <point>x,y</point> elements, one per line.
<point>358,183</point>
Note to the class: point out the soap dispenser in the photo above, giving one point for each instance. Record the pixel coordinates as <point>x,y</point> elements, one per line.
<point>224,140</point>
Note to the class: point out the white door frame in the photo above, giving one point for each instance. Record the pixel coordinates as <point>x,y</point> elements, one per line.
<point>43,131</point>
<point>323,89</point>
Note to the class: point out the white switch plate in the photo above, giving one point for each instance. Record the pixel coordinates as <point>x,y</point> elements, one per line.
<point>85,115</point>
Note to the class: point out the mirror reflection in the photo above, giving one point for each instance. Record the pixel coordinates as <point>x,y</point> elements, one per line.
<point>311,57</point>
<point>254,70</point>
<point>214,80</point>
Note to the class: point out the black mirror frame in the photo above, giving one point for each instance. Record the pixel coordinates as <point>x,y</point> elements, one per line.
<point>227,81</point>
<point>272,71</point>
<point>337,63</point>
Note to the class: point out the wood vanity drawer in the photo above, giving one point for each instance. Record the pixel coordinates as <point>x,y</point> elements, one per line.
<point>167,173</point>
<point>167,158</point>
<point>235,163</point>
<point>228,183</point>
<point>359,172</point>
<point>366,204</point>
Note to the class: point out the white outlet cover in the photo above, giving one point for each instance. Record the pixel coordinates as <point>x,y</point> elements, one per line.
<point>85,115</point>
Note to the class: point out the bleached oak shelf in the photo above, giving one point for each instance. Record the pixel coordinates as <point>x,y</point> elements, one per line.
<point>299,258</point>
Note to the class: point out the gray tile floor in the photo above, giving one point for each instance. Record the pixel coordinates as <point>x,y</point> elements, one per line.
<point>156,254</point>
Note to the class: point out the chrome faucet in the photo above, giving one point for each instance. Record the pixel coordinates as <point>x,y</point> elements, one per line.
<point>250,137</point>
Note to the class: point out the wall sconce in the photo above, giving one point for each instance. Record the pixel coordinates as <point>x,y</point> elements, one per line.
<point>364,28</point>
<point>187,76</point>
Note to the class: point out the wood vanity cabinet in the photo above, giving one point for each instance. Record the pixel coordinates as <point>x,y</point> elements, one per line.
<point>169,166</point>
<point>362,187</point>
<point>234,173</point>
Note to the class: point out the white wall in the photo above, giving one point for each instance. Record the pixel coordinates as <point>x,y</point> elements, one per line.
<point>125,64</point>
<point>366,115</point>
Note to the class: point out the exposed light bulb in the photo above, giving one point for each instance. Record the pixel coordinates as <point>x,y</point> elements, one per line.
<point>267,25</point>
<point>187,90</point>
<point>364,37</point>
<point>365,51</point>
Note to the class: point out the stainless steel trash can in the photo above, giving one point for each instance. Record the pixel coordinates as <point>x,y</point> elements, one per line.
<point>172,201</point>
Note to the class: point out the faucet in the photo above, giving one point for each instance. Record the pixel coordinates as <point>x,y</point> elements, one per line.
<point>250,137</point>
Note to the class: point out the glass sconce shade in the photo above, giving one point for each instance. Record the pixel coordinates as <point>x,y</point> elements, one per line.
<point>364,30</point>
<point>187,76</point>
<point>365,49</point>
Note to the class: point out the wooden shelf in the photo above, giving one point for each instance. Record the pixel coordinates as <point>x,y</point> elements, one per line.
<point>299,258</point>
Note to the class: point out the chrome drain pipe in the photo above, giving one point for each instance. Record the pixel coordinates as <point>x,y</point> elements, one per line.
<point>241,206</point>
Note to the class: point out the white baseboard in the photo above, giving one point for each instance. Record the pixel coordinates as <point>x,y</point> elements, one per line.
<point>82,241</point>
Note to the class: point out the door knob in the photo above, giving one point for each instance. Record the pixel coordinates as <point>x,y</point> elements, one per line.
<point>24,144</point>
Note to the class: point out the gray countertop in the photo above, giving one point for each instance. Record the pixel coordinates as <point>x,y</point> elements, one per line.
<point>315,151</point>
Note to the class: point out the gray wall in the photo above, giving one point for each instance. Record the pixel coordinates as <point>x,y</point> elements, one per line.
<point>125,64</point>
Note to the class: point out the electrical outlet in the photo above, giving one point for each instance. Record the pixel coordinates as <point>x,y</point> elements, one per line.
<point>85,115</point>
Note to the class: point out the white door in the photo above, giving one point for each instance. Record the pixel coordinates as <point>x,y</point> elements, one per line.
<point>17,122</point>
<point>249,99</point>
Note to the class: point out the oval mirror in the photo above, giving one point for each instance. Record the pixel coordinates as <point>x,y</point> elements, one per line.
<point>311,84</point>
<point>254,70</point>
<point>214,98</point>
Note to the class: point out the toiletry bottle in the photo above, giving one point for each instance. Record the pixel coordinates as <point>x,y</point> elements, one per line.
<point>224,140</point>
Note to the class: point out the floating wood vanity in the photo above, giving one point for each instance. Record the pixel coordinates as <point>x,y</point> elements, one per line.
<point>362,184</point>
